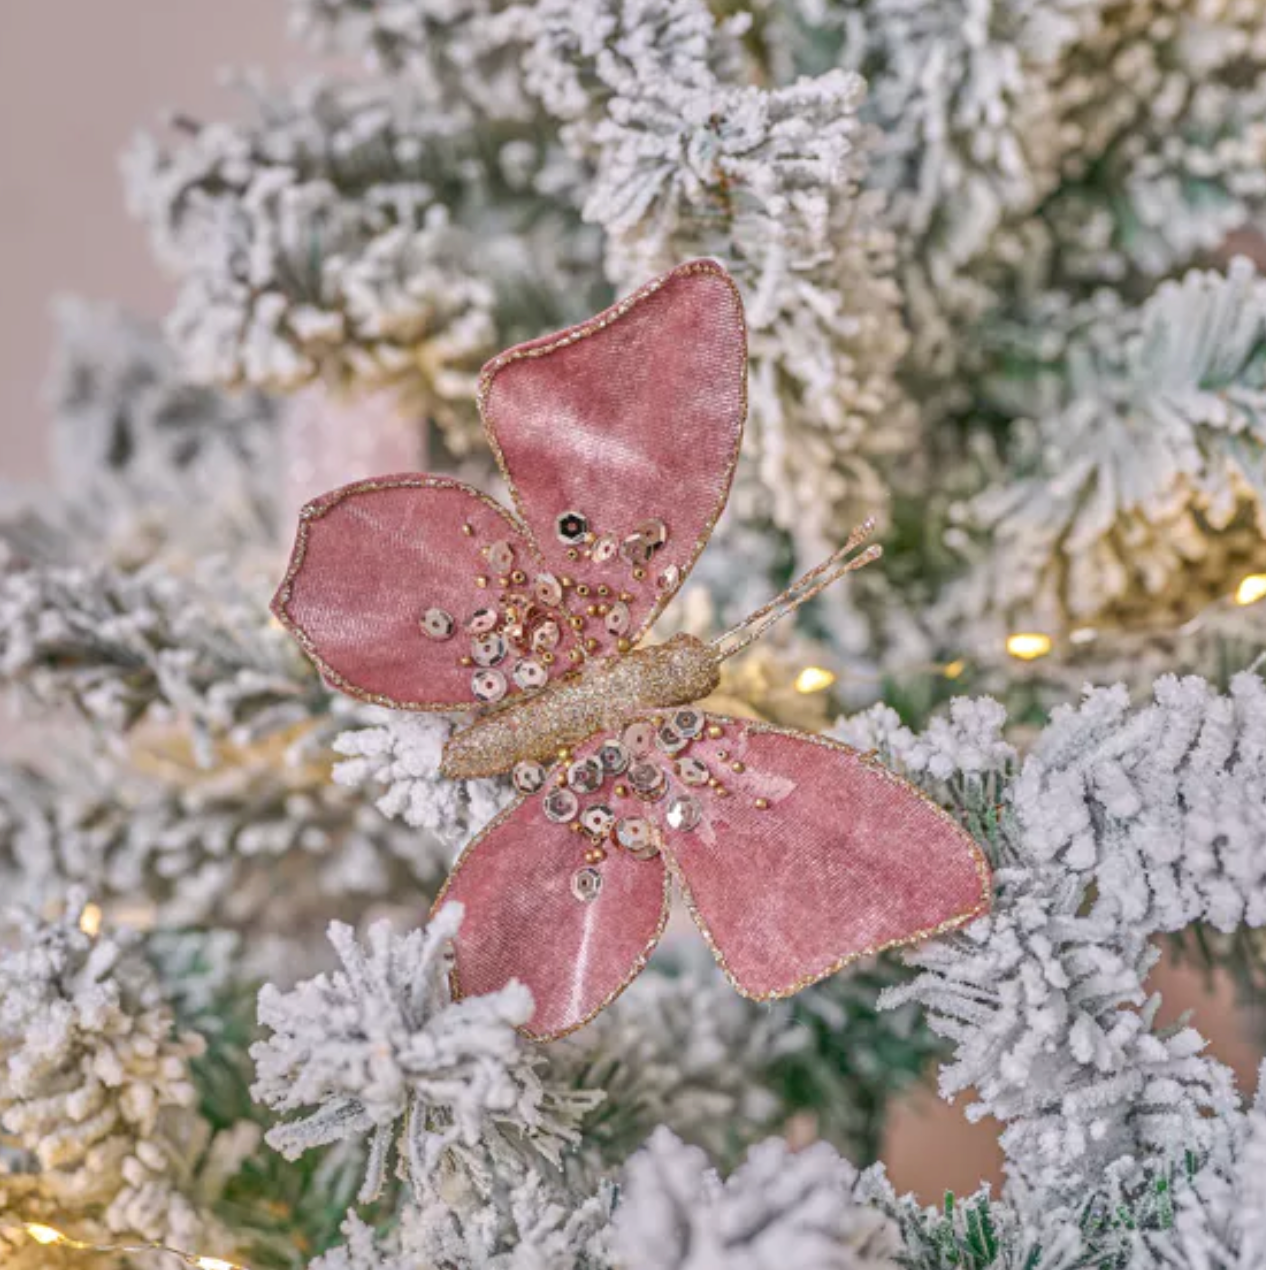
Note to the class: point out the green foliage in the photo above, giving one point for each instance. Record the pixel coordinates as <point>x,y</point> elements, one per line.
<point>859,1059</point>
<point>282,1212</point>
<point>971,1234</point>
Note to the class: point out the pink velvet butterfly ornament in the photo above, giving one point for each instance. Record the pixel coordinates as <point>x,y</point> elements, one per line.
<point>618,439</point>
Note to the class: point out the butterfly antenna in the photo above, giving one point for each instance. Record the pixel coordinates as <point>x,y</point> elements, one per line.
<point>801,591</point>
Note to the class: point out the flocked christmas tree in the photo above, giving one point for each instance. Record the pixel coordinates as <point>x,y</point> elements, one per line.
<point>988,259</point>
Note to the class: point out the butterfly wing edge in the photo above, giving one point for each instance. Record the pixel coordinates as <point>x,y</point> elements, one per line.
<point>636,968</point>
<point>319,507</point>
<point>979,860</point>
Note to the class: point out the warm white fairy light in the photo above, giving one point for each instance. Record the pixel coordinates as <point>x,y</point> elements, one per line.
<point>814,679</point>
<point>50,1236</point>
<point>1028,645</point>
<point>44,1234</point>
<point>1251,589</point>
<point>90,920</point>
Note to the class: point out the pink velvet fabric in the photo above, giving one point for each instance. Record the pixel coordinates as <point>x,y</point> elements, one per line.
<point>365,568</point>
<point>641,418</point>
<point>523,922</point>
<point>846,860</point>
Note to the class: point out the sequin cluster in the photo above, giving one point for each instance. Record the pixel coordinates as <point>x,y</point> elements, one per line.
<point>650,764</point>
<point>529,623</point>
<point>636,549</point>
<point>514,638</point>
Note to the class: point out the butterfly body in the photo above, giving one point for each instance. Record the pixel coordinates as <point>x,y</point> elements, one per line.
<point>618,440</point>
<point>603,696</point>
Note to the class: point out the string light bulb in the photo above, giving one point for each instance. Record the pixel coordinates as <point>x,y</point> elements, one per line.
<point>49,1236</point>
<point>90,920</point>
<point>814,679</point>
<point>1251,589</point>
<point>954,669</point>
<point>44,1234</point>
<point>1028,645</point>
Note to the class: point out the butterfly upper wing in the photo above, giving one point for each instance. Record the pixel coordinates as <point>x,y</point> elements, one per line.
<point>845,860</point>
<point>524,920</point>
<point>632,417</point>
<point>380,566</point>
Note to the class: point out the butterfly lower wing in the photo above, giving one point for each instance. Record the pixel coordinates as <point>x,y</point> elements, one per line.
<point>629,421</point>
<point>814,857</point>
<point>387,577</point>
<point>530,915</point>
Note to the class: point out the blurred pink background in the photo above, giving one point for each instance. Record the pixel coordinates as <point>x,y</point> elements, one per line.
<point>76,80</point>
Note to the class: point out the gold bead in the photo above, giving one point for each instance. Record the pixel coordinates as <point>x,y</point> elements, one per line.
<point>518,577</point>
<point>576,622</point>
<point>481,581</point>
<point>626,596</point>
<point>657,720</point>
<point>548,658</point>
<point>564,754</point>
<point>468,530</point>
<point>566,583</point>
<point>603,589</point>
<point>600,609</point>
<point>737,767</point>
<point>466,661</point>
<point>639,574</point>
<point>723,755</point>
<point>762,804</point>
<point>622,645</point>
<point>503,582</point>
<point>575,654</point>
<point>576,827</point>
<point>621,791</point>
<point>572,553</point>
<point>582,589</point>
<point>561,778</point>
<point>592,610</point>
<point>712,780</point>
<point>591,644</point>
<point>722,792</point>
<point>595,855</point>
<point>715,731</point>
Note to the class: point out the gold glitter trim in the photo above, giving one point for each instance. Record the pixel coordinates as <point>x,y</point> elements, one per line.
<point>639,962</point>
<point>599,323</point>
<point>316,509</point>
<point>983,872</point>
<point>605,696</point>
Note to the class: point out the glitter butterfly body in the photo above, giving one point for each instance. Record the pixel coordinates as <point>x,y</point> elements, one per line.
<point>618,439</point>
